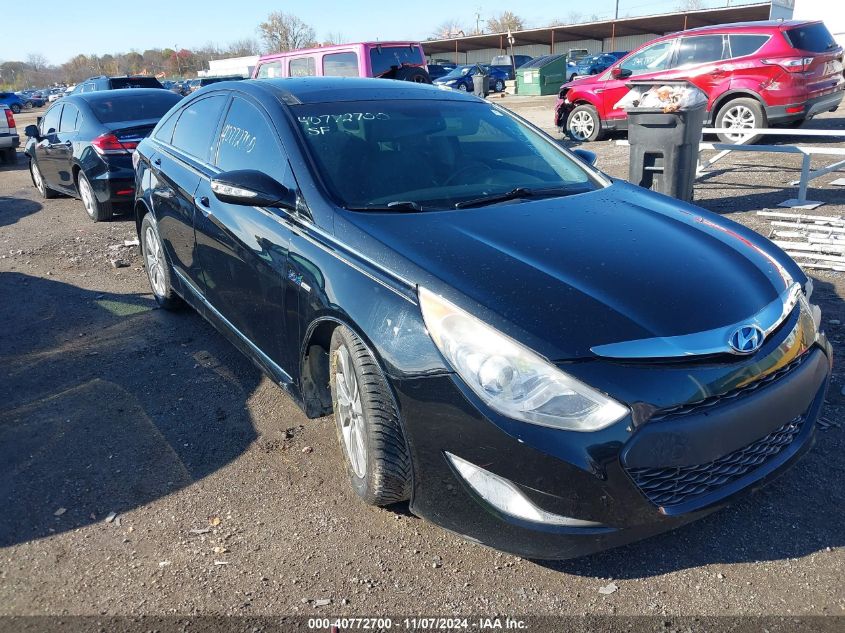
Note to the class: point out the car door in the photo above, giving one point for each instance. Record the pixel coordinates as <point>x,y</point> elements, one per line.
<point>44,155</point>
<point>183,156</point>
<point>699,60</point>
<point>62,148</point>
<point>244,250</point>
<point>649,63</point>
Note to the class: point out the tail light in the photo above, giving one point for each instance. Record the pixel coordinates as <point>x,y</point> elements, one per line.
<point>10,119</point>
<point>110,145</point>
<point>791,64</point>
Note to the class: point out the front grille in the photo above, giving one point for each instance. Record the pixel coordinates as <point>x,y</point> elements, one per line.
<point>671,486</point>
<point>706,403</point>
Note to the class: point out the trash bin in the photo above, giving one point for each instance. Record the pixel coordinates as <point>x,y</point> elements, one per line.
<point>480,85</point>
<point>664,141</point>
<point>542,75</point>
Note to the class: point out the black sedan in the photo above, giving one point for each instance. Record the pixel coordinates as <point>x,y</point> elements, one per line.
<point>82,146</point>
<point>538,357</point>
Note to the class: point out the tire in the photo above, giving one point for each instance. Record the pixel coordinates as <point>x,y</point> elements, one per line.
<point>584,124</point>
<point>372,442</point>
<point>463,88</point>
<point>96,210</point>
<point>740,113</point>
<point>499,86</point>
<point>412,73</point>
<point>573,76</point>
<point>157,266</point>
<point>38,181</point>
<point>16,108</point>
<point>29,105</point>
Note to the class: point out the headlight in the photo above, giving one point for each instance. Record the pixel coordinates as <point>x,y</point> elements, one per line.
<point>510,378</point>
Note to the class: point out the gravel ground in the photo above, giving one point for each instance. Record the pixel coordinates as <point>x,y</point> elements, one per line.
<point>146,467</point>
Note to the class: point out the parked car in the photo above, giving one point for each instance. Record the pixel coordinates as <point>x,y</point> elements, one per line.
<point>755,74</point>
<point>93,84</point>
<point>593,64</point>
<point>506,60</point>
<point>193,85</point>
<point>436,71</point>
<point>9,139</point>
<point>57,93</point>
<point>539,357</point>
<point>13,101</point>
<point>82,146</point>
<point>461,77</point>
<point>386,60</point>
<point>31,99</point>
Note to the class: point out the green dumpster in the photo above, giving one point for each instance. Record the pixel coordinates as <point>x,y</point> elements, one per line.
<point>541,76</point>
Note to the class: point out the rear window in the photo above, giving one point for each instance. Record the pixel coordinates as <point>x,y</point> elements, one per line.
<point>134,82</point>
<point>812,37</point>
<point>134,107</point>
<point>384,58</point>
<point>742,45</point>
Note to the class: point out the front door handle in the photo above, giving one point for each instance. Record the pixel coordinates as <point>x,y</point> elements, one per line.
<point>157,162</point>
<point>203,205</point>
<point>204,201</point>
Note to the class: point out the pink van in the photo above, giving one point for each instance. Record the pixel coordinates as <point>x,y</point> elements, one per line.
<point>391,60</point>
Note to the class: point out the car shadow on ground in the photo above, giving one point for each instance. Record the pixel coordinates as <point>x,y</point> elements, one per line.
<point>13,209</point>
<point>736,198</point>
<point>21,164</point>
<point>108,403</point>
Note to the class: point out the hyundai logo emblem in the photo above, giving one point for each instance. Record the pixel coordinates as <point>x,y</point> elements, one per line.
<point>746,339</point>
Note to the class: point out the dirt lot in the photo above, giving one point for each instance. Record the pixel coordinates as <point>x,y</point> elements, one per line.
<point>228,501</point>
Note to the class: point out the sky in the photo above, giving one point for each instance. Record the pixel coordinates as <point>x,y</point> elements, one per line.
<point>95,26</point>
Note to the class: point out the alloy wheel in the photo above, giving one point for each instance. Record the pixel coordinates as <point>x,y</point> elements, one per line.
<point>39,180</point>
<point>350,413</point>
<point>87,196</point>
<point>738,117</point>
<point>154,259</point>
<point>582,125</point>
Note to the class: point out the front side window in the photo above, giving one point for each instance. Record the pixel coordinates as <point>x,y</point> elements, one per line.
<point>650,60</point>
<point>302,67</point>
<point>434,154</point>
<point>248,141</point>
<point>196,126</point>
<point>340,65</point>
<point>270,70</point>
<point>703,49</point>
<point>69,117</point>
<point>384,59</point>
<point>50,122</point>
<point>742,45</point>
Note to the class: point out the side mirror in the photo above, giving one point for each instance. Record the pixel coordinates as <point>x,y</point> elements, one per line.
<point>32,131</point>
<point>585,156</point>
<point>252,188</point>
<point>620,73</point>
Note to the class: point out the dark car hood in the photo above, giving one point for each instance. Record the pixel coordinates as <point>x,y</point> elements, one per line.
<point>564,275</point>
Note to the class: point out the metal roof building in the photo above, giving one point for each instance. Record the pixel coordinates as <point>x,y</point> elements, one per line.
<point>623,34</point>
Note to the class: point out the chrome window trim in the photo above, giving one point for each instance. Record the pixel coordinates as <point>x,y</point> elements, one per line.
<point>705,343</point>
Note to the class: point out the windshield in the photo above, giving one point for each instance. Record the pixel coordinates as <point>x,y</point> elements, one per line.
<point>432,154</point>
<point>458,72</point>
<point>587,61</point>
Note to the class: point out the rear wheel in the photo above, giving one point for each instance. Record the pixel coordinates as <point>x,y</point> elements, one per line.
<point>413,73</point>
<point>462,87</point>
<point>499,86</point>
<point>16,108</point>
<point>157,266</point>
<point>38,181</point>
<point>374,449</point>
<point>583,124</point>
<point>96,210</point>
<point>739,114</point>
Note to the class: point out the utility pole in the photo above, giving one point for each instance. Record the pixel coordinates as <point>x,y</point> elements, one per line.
<point>478,20</point>
<point>616,13</point>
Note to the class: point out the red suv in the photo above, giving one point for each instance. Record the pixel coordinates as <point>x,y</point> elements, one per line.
<point>755,74</point>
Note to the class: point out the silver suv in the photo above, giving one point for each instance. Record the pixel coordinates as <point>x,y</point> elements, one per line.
<point>9,138</point>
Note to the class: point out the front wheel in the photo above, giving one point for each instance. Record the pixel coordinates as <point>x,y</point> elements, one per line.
<point>462,87</point>
<point>583,124</point>
<point>499,86</point>
<point>374,448</point>
<point>16,108</point>
<point>740,114</point>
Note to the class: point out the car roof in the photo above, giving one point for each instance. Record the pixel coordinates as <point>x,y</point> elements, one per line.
<point>105,95</point>
<point>740,26</point>
<point>303,90</point>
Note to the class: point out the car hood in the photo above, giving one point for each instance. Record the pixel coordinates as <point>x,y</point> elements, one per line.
<point>564,275</point>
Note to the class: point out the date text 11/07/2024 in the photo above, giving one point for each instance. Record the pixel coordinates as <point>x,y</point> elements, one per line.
<point>340,625</point>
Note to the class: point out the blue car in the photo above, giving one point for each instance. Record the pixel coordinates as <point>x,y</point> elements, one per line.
<point>13,101</point>
<point>593,64</point>
<point>461,77</point>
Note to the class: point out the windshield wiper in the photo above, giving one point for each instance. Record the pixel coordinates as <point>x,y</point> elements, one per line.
<point>396,205</point>
<point>518,192</point>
